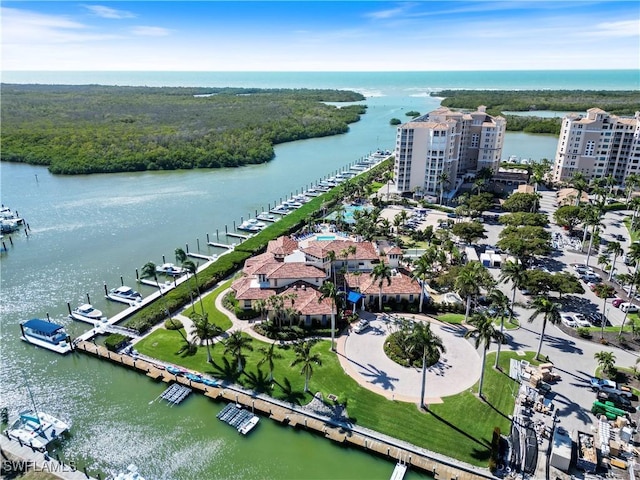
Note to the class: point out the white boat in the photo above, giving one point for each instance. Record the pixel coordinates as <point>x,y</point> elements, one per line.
<point>86,313</point>
<point>130,474</point>
<point>170,269</point>
<point>124,294</point>
<point>37,429</point>
<point>267,217</point>
<point>251,225</point>
<point>46,334</point>
<point>7,214</point>
<point>247,427</point>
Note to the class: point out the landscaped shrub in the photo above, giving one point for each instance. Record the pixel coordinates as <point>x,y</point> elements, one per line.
<point>584,332</point>
<point>395,347</point>
<point>173,324</point>
<point>243,314</point>
<point>115,341</point>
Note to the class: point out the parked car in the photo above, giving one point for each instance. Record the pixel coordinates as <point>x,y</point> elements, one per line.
<point>618,401</point>
<point>591,278</point>
<point>361,326</point>
<point>568,320</point>
<point>609,386</point>
<point>617,301</point>
<point>628,307</point>
<point>597,319</point>
<point>581,321</point>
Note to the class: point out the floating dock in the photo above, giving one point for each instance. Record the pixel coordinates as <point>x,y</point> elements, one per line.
<point>220,245</point>
<point>202,257</point>
<point>175,394</point>
<point>399,471</point>
<point>237,235</point>
<point>239,418</point>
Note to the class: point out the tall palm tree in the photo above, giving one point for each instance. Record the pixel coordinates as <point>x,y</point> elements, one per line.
<point>615,249</point>
<point>442,181</point>
<point>470,279</point>
<point>388,179</point>
<point>149,271</point>
<point>380,273</point>
<point>269,354</point>
<point>606,362</point>
<point>204,331</point>
<point>422,268</point>
<point>501,302</point>
<point>331,256</point>
<point>190,267</point>
<point>344,254</point>
<point>330,291</point>
<point>579,182</point>
<point>484,332</point>
<point>307,359</point>
<point>422,339</point>
<point>260,306</point>
<point>549,311</point>
<point>516,273</point>
<point>235,344</point>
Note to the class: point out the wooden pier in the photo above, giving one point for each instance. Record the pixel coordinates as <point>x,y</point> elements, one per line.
<point>21,457</point>
<point>413,457</point>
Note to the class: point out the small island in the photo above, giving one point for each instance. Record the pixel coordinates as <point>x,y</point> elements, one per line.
<point>76,129</point>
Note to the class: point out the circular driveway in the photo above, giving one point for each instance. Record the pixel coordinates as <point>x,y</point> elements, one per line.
<point>362,357</point>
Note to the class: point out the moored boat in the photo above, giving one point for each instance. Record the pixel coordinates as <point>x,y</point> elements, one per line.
<point>37,429</point>
<point>251,225</point>
<point>45,334</point>
<point>170,269</point>
<point>130,474</point>
<point>124,294</point>
<point>86,313</point>
<point>248,426</point>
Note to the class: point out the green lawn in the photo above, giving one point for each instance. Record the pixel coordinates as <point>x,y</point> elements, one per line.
<point>209,302</point>
<point>460,427</point>
<point>634,234</point>
<point>454,318</point>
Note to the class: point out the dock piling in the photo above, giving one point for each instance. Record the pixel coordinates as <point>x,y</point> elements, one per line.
<point>69,307</point>
<point>225,229</point>
<point>105,289</point>
<point>88,299</point>
<point>207,238</point>
<point>187,245</point>
<point>48,318</point>
<point>137,276</point>
<point>198,243</point>
<point>234,224</point>
<point>121,281</point>
<point>11,241</point>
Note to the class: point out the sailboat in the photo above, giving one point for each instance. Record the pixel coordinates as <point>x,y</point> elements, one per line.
<point>36,428</point>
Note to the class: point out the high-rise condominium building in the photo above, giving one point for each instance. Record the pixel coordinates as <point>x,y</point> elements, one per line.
<point>598,145</point>
<point>446,142</point>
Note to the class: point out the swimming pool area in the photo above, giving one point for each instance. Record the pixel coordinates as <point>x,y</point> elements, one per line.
<point>348,212</point>
<point>325,238</point>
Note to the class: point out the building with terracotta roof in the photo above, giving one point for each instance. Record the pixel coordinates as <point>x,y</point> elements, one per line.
<point>289,267</point>
<point>402,287</point>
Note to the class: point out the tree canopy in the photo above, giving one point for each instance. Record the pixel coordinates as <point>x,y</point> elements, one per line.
<point>521,202</point>
<point>101,129</point>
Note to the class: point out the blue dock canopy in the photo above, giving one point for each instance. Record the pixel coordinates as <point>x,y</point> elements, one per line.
<point>47,328</point>
<point>353,297</point>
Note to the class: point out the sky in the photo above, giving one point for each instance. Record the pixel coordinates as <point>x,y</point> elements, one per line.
<point>320,36</point>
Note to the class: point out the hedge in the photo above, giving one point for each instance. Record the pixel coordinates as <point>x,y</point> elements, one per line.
<point>115,341</point>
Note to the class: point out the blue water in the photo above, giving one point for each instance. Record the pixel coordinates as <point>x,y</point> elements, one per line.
<point>369,83</point>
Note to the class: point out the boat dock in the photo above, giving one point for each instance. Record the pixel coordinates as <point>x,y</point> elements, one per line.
<point>239,418</point>
<point>175,394</point>
<point>202,257</point>
<point>238,235</point>
<point>439,466</point>
<point>21,456</point>
<point>220,245</point>
<point>399,471</point>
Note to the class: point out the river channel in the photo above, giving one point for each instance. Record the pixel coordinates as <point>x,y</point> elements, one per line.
<point>87,231</point>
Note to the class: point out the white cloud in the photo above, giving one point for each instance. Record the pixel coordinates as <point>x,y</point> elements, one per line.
<point>391,12</point>
<point>624,28</point>
<point>108,12</point>
<point>146,31</point>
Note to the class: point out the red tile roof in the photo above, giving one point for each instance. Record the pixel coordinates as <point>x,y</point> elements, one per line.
<point>320,249</point>
<point>401,284</point>
<point>307,300</point>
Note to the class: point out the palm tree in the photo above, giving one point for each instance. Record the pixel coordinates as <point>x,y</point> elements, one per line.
<point>204,331</point>
<point>500,302</point>
<point>615,249</point>
<point>235,344</point>
<point>331,257</point>
<point>516,273</point>
<point>549,311</point>
<point>606,361</point>
<point>442,181</point>
<point>421,270</point>
<point>329,290</point>
<point>579,182</point>
<point>388,179</point>
<point>485,332</point>
<point>470,278</point>
<point>260,306</point>
<point>190,267</point>
<point>344,254</point>
<point>149,271</point>
<point>269,354</point>
<point>422,339</point>
<point>306,359</point>
<point>380,273</point>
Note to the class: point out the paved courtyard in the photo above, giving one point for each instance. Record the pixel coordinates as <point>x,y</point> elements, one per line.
<point>362,357</point>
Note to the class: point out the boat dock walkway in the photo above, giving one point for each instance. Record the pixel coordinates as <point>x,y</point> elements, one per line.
<point>439,466</point>
<point>175,394</point>
<point>220,245</point>
<point>237,235</point>
<point>399,472</point>
<point>25,457</point>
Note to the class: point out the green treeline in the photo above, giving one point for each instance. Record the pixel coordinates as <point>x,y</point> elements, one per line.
<point>498,101</point>
<point>101,129</point>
